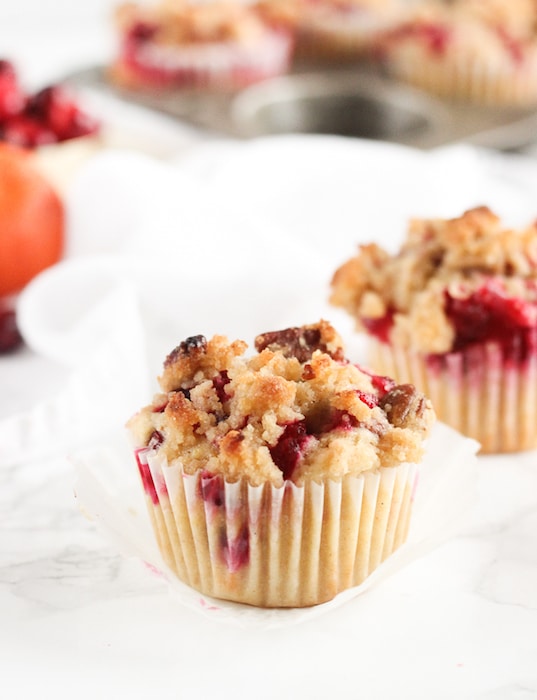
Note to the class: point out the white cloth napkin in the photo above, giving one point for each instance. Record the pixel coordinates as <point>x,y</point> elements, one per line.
<point>237,238</point>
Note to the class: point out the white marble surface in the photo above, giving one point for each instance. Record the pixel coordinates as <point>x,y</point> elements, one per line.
<point>78,620</point>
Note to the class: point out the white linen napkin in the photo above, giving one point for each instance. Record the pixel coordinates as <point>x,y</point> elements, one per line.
<point>237,238</point>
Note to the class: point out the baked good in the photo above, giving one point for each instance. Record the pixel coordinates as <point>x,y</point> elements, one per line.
<point>480,51</point>
<point>336,30</point>
<point>212,45</point>
<point>454,311</point>
<point>282,478</point>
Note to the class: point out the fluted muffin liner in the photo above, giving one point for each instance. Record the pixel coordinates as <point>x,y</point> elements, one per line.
<point>288,546</point>
<point>110,495</point>
<point>476,391</point>
<point>221,67</point>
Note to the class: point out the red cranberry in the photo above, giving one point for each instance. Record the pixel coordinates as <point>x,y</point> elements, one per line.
<point>382,385</point>
<point>366,397</point>
<point>54,107</point>
<point>27,132</point>
<point>10,338</point>
<point>142,31</point>
<point>379,327</point>
<point>287,452</point>
<point>155,440</point>
<point>219,382</point>
<point>12,98</point>
<point>488,314</point>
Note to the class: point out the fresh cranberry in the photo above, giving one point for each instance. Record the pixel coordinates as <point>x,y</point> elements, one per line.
<point>287,452</point>
<point>490,315</point>
<point>379,327</point>
<point>27,132</point>
<point>54,107</point>
<point>155,440</point>
<point>382,385</point>
<point>142,31</point>
<point>366,397</point>
<point>10,338</point>
<point>12,98</point>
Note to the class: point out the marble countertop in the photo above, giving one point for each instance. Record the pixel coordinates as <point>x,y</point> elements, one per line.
<point>79,620</point>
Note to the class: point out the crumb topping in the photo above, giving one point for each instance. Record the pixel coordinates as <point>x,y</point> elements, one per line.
<point>296,410</point>
<point>471,266</point>
<point>178,22</point>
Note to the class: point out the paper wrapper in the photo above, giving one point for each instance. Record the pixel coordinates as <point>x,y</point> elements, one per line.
<point>110,494</point>
<point>216,66</point>
<point>275,547</point>
<point>475,391</point>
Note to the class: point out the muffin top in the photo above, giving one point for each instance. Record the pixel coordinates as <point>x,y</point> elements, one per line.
<point>179,22</point>
<point>453,282</point>
<point>297,410</point>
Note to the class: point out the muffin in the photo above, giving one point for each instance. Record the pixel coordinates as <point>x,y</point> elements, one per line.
<point>337,30</point>
<point>281,478</point>
<point>213,45</point>
<point>479,51</point>
<point>454,311</point>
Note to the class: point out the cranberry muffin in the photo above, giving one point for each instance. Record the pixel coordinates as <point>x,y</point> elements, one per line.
<point>212,45</point>
<point>455,313</point>
<point>280,478</point>
<point>480,51</point>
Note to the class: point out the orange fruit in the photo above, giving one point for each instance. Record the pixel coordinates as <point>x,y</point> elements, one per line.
<point>32,220</point>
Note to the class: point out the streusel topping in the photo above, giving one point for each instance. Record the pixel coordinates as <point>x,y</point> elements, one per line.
<point>181,23</point>
<point>471,265</point>
<point>296,410</point>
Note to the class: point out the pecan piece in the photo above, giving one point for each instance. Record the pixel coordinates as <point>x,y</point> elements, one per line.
<point>300,342</point>
<point>195,344</point>
<point>404,406</point>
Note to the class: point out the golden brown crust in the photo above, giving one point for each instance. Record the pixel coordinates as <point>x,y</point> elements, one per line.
<point>295,410</point>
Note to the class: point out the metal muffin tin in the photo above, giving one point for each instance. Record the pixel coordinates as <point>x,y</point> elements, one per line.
<point>358,102</point>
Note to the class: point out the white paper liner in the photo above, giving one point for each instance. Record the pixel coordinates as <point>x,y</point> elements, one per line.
<point>275,546</point>
<point>107,492</point>
<point>217,65</point>
<point>474,391</point>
